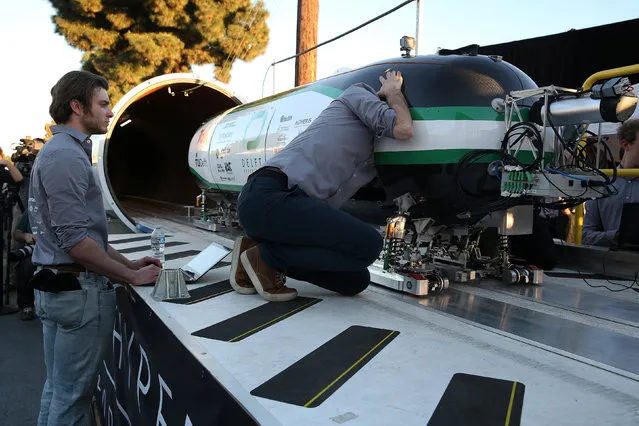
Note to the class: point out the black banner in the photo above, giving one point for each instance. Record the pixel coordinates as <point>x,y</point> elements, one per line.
<point>150,378</point>
<point>567,59</point>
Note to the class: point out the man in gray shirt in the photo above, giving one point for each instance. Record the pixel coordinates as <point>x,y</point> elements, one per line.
<point>290,207</point>
<point>603,215</point>
<point>74,297</point>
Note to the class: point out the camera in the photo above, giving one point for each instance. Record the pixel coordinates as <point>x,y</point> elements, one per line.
<point>25,154</point>
<point>24,163</point>
<point>20,254</point>
<point>23,159</point>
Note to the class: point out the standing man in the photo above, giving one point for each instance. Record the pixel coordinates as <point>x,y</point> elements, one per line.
<point>290,207</point>
<point>603,215</point>
<point>74,297</point>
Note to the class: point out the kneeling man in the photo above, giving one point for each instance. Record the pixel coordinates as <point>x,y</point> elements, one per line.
<point>290,207</point>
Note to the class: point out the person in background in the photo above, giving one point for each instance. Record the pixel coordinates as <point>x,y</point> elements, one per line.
<point>10,176</point>
<point>9,173</point>
<point>24,163</point>
<point>24,269</point>
<point>603,215</point>
<point>74,297</point>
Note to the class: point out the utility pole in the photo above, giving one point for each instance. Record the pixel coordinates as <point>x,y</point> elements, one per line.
<point>307,16</point>
<point>418,27</point>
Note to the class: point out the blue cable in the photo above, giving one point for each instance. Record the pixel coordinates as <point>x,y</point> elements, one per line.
<point>496,172</point>
<point>567,175</point>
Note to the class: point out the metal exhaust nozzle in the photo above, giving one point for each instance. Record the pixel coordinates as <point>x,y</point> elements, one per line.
<point>170,285</point>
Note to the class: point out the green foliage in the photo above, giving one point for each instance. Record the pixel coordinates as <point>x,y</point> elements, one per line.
<point>129,41</point>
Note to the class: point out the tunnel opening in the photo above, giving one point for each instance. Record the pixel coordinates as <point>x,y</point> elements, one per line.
<point>146,152</point>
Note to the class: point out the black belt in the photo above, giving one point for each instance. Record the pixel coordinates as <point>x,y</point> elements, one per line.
<point>68,268</point>
<point>270,172</point>
<point>57,278</point>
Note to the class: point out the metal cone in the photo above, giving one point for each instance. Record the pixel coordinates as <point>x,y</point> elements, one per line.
<point>170,285</point>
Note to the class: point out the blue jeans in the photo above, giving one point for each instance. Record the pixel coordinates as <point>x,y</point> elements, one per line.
<point>306,238</point>
<point>77,326</point>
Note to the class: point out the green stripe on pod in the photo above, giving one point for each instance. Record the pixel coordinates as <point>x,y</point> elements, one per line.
<point>442,156</point>
<point>221,186</point>
<point>462,113</point>
<point>197,175</point>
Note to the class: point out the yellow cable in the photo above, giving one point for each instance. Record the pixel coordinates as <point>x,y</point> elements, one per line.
<point>614,72</point>
<point>621,172</point>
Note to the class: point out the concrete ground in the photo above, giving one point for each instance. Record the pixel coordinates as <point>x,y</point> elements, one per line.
<point>22,372</point>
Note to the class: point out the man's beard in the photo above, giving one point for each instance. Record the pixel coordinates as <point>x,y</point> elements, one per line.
<point>92,126</point>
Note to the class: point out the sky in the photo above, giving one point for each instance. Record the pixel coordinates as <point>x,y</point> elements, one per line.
<point>34,57</point>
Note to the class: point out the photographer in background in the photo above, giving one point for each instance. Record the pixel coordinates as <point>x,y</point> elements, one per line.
<point>8,173</point>
<point>23,160</point>
<point>24,268</point>
<point>14,198</point>
<point>10,178</point>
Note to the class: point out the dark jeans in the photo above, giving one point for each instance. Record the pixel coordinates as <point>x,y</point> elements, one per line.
<point>24,271</point>
<point>306,238</point>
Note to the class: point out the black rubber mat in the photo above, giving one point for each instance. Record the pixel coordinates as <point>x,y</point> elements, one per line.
<point>180,254</point>
<point>148,247</point>
<point>130,240</point>
<point>314,378</point>
<point>204,293</point>
<point>479,401</point>
<point>244,325</point>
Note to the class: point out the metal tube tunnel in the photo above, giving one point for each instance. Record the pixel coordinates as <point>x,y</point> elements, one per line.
<point>144,155</point>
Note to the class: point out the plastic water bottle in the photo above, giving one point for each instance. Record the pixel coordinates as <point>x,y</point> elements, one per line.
<point>157,243</point>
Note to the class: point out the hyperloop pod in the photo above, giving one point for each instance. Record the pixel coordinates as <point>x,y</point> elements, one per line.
<point>450,99</point>
<point>175,136</point>
<point>455,105</point>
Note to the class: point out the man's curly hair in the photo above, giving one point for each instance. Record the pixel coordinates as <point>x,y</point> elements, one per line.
<point>628,130</point>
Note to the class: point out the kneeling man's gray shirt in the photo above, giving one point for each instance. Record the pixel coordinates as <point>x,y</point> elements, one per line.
<point>65,201</point>
<point>333,158</point>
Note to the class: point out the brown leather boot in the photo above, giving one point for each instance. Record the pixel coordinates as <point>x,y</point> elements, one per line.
<point>268,282</point>
<point>239,280</point>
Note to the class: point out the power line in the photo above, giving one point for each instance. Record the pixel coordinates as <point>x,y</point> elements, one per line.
<point>388,12</point>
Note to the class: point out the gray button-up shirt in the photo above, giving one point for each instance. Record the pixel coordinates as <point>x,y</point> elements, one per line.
<point>603,216</point>
<point>65,201</point>
<point>333,158</point>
